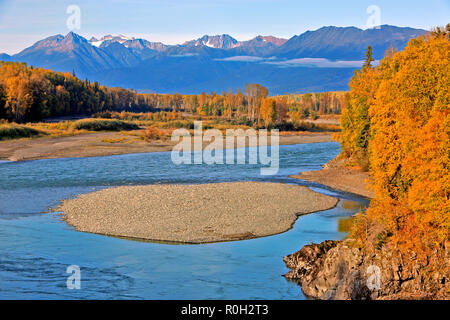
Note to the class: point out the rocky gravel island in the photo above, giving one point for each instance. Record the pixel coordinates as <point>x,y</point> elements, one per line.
<point>193,213</point>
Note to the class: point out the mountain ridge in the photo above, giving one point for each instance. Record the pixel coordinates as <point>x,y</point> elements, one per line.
<point>350,42</point>
<point>221,59</point>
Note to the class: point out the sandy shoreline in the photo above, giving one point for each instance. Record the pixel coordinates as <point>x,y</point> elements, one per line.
<point>106,144</point>
<point>189,213</point>
<point>337,176</point>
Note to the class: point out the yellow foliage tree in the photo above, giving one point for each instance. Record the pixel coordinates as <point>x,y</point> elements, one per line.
<point>355,120</point>
<point>268,111</point>
<point>408,147</point>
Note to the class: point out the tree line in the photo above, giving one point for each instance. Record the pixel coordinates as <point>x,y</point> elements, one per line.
<point>32,94</point>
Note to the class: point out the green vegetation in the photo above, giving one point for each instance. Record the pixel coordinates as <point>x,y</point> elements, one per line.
<point>14,131</point>
<point>103,125</point>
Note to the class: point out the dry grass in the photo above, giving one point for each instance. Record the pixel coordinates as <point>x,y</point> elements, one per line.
<point>153,129</point>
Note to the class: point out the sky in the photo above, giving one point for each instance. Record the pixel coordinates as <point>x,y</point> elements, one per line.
<point>23,22</point>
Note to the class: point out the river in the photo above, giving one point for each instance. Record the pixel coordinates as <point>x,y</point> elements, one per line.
<point>37,247</point>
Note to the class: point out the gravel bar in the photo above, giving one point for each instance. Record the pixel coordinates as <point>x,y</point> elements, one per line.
<point>193,213</point>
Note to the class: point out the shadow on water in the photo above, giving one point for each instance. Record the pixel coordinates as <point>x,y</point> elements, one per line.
<point>36,249</point>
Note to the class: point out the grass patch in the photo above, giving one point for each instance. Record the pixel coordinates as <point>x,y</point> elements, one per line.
<point>14,131</point>
<point>104,125</point>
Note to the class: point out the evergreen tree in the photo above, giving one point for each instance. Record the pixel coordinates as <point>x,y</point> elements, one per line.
<point>369,58</point>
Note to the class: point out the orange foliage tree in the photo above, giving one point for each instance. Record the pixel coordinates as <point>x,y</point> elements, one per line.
<point>408,146</point>
<point>355,120</point>
<point>268,111</point>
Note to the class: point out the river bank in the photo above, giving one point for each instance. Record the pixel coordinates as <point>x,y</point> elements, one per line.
<point>337,176</point>
<point>338,270</point>
<point>108,143</point>
<point>124,269</point>
<point>189,213</point>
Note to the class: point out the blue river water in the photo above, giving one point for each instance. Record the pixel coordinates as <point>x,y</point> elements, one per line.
<point>37,247</point>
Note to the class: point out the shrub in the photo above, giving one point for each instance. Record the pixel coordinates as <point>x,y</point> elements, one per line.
<point>152,133</point>
<point>13,131</point>
<point>104,125</point>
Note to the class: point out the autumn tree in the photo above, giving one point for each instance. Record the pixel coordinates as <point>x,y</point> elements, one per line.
<point>2,102</point>
<point>268,111</point>
<point>29,94</point>
<point>355,121</point>
<point>282,107</point>
<point>407,147</point>
<point>255,94</point>
<point>239,102</point>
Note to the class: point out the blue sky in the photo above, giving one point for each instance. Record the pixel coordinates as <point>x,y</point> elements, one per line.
<point>23,22</point>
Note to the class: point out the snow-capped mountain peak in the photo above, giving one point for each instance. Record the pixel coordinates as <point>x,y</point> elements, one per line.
<point>223,41</point>
<point>119,38</point>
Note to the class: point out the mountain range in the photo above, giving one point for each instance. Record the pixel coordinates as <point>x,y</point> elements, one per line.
<point>319,60</point>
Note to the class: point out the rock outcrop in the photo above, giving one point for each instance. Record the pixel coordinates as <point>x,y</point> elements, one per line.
<point>335,270</point>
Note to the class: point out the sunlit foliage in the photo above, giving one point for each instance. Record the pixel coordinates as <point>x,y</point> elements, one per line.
<point>398,118</point>
<point>31,94</point>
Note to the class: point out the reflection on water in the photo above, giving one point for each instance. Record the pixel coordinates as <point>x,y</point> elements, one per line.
<point>345,224</point>
<point>353,205</point>
<point>36,248</point>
